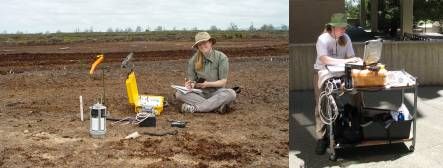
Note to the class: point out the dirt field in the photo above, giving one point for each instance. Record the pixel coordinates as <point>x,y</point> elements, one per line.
<point>39,108</point>
<point>146,51</point>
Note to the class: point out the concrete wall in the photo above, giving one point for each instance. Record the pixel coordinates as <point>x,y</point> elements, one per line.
<point>421,59</point>
<point>307,18</point>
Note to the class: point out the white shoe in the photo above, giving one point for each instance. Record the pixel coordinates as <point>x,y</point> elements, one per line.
<point>186,108</point>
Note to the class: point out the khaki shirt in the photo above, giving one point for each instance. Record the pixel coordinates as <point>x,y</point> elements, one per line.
<point>216,67</point>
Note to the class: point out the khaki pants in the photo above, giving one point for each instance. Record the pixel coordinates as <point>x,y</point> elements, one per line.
<point>320,127</point>
<point>208,102</point>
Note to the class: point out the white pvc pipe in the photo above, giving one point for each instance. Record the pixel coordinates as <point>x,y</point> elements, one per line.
<point>81,108</point>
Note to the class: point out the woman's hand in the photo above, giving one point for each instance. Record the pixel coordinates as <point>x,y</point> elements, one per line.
<point>202,85</point>
<point>189,84</point>
<point>337,61</point>
<point>213,84</point>
<point>353,60</point>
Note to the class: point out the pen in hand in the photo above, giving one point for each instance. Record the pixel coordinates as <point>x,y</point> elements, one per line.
<point>188,84</point>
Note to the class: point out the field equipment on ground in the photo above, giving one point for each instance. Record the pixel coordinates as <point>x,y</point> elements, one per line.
<point>147,119</point>
<point>99,59</point>
<point>160,133</point>
<point>143,119</point>
<point>98,120</point>
<point>178,124</point>
<point>140,103</point>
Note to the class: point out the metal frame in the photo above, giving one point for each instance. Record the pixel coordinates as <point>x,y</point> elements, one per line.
<point>333,146</point>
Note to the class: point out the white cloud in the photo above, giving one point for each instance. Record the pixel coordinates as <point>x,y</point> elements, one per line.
<point>42,15</point>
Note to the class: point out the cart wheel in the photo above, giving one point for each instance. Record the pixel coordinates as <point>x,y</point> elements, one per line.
<point>411,148</point>
<point>333,157</point>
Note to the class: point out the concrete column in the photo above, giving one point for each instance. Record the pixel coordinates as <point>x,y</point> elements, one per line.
<point>406,15</point>
<point>307,18</point>
<point>363,13</point>
<point>374,15</point>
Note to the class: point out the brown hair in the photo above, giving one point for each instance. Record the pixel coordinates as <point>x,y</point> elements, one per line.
<point>341,40</point>
<point>198,63</point>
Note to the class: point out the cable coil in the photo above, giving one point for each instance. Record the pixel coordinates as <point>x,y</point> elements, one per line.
<point>327,107</point>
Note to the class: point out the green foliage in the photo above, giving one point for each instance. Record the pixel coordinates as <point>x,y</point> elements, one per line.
<point>428,10</point>
<point>266,27</point>
<point>352,8</point>
<point>90,37</point>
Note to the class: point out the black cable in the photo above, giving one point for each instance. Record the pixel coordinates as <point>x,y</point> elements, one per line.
<point>173,132</point>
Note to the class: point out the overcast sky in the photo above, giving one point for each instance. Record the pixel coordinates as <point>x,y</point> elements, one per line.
<point>42,15</point>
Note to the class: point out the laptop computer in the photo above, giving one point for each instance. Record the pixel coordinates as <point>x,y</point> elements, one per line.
<point>371,54</point>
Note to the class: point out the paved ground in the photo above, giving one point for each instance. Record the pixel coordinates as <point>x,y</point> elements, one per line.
<point>429,144</point>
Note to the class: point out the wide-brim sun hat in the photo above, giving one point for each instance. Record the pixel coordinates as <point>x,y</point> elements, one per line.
<point>201,37</point>
<point>338,20</point>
